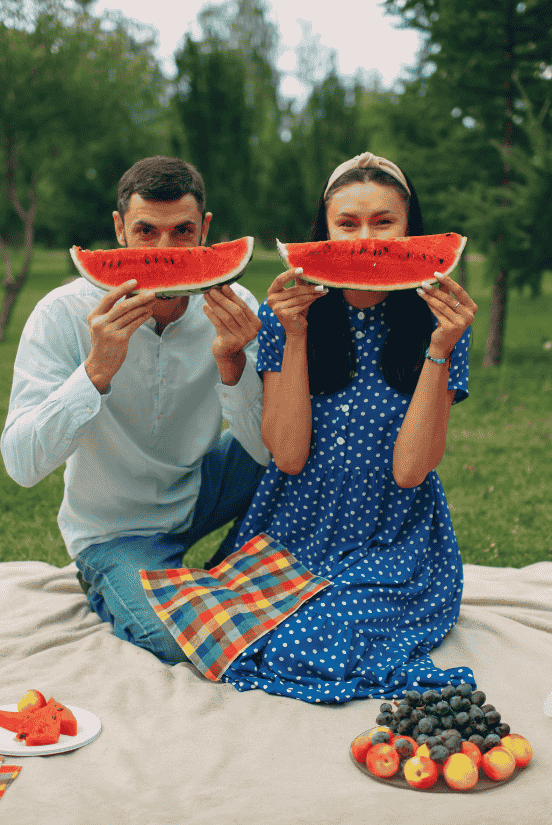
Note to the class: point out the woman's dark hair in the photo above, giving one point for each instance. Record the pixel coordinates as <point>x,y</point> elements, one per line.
<point>331,357</point>
<point>161,179</point>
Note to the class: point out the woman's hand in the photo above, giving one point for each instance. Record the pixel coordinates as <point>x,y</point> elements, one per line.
<point>292,305</point>
<point>454,310</point>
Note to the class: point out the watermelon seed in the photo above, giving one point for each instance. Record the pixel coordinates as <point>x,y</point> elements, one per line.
<point>104,263</point>
<point>146,260</point>
<point>440,260</point>
<point>156,260</point>
<point>423,256</point>
<point>172,260</point>
<point>385,249</point>
<point>110,264</point>
<point>166,260</point>
<point>118,263</point>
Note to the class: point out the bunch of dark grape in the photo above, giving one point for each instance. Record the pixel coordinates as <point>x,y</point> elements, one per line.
<point>442,720</point>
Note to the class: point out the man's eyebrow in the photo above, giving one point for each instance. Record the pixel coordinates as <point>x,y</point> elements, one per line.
<point>142,223</point>
<point>148,225</point>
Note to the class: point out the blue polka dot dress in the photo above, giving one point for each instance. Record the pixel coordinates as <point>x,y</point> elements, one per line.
<point>390,553</point>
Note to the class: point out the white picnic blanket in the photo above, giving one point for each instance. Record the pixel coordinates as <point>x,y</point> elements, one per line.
<point>176,748</point>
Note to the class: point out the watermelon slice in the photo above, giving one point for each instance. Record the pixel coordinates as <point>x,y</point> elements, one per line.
<point>400,263</point>
<point>171,272</point>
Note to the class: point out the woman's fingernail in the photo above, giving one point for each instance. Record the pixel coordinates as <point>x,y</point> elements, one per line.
<point>420,291</point>
<point>438,275</point>
<point>320,288</point>
<point>299,270</point>
<point>426,285</point>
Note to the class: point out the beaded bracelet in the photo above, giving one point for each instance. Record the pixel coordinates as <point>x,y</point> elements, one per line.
<point>438,360</point>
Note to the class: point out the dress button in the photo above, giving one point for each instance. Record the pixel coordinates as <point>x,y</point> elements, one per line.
<point>361,315</point>
<point>345,407</point>
<point>359,334</point>
<point>340,440</point>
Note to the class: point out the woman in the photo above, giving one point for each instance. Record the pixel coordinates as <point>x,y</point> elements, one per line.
<point>358,386</point>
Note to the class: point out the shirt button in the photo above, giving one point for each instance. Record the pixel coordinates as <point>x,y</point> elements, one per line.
<point>359,334</point>
<point>340,440</point>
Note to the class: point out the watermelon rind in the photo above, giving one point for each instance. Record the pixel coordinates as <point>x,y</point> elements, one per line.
<point>197,286</point>
<point>296,255</point>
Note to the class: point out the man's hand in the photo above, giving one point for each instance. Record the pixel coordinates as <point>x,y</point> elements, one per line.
<point>236,325</point>
<point>110,330</point>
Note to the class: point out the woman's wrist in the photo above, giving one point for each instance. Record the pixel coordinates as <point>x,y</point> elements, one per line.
<point>436,351</point>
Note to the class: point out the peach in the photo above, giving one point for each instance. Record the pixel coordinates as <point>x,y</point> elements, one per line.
<point>421,772</point>
<point>498,763</point>
<point>31,700</point>
<point>471,750</point>
<point>519,747</point>
<point>460,772</point>
<point>360,747</point>
<point>383,760</point>
<point>423,750</point>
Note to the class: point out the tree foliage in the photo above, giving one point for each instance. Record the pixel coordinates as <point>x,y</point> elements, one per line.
<point>82,100</point>
<point>475,51</point>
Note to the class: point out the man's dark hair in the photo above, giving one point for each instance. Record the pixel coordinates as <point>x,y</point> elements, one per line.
<point>161,179</point>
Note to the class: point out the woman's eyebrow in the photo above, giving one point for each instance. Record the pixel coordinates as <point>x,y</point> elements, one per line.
<point>374,214</point>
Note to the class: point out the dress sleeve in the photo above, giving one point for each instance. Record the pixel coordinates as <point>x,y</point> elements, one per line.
<point>272,339</point>
<point>459,368</point>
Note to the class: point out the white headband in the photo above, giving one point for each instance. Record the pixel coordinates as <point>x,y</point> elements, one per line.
<point>368,161</point>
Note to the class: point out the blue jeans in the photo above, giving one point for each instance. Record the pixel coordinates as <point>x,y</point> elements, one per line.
<point>229,478</point>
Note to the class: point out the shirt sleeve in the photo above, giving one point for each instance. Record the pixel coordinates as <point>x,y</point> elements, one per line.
<point>459,368</point>
<point>242,403</point>
<point>272,340</point>
<point>52,398</point>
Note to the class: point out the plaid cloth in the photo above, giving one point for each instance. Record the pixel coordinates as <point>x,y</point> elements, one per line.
<point>215,615</point>
<point>7,774</point>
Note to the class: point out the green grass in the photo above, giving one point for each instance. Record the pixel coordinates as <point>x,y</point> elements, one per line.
<point>496,470</point>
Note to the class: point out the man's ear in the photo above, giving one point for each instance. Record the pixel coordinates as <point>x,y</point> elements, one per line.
<point>205,227</point>
<point>119,228</point>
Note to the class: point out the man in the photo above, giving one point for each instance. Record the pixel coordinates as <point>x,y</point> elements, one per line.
<point>130,392</point>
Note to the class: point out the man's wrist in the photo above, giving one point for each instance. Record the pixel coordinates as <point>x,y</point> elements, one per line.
<point>231,367</point>
<point>97,378</point>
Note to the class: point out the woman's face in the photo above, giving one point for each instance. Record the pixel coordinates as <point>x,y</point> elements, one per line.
<point>366,210</point>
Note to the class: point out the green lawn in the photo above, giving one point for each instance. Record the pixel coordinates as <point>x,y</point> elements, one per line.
<point>496,471</point>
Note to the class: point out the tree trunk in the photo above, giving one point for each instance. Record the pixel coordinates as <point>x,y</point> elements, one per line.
<point>13,285</point>
<point>493,349</point>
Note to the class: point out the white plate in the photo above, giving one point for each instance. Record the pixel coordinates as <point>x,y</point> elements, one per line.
<point>88,728</point>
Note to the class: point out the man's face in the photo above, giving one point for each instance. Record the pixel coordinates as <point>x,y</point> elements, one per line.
<point>162,223</point>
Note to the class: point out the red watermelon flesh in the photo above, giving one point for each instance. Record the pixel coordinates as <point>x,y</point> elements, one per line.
<point>379,265</point>
<point>170,271</point>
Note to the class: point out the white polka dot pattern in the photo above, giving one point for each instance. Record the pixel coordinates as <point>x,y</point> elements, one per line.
<point>390,553</point>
